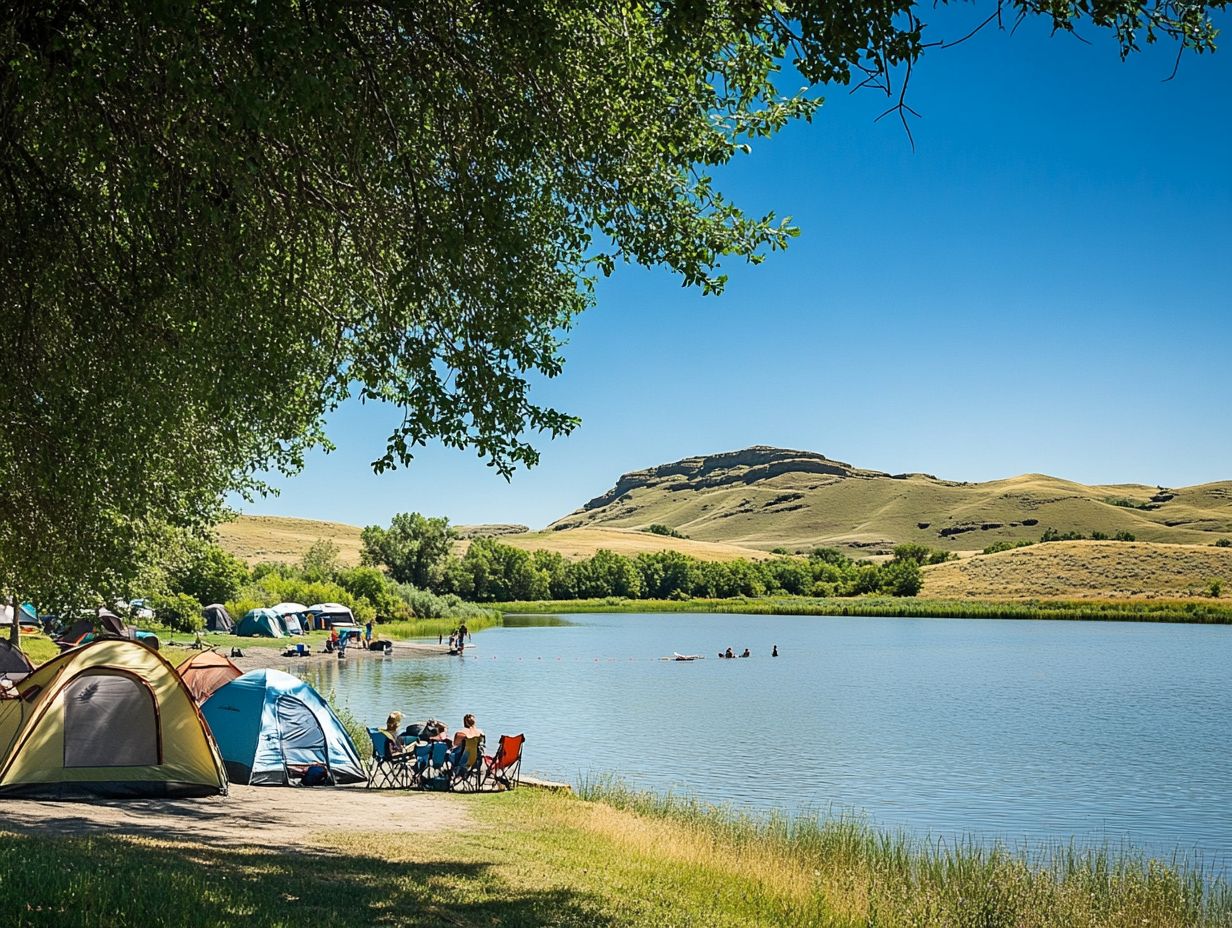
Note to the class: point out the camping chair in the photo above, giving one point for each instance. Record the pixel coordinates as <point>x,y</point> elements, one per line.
<point>436,774</point>
<point>466,768</point>
<point>389,768</point>
<point>505,768</point>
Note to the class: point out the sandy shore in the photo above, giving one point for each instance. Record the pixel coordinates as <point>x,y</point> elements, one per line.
<point>253,816</point>
<point>259,656</point>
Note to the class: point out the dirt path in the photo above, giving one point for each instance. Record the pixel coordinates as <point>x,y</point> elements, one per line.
<point>253,816</point>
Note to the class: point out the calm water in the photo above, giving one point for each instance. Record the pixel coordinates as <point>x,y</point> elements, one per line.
<point>1021,731</point>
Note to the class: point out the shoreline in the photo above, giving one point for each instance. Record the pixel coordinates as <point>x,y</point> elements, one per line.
<point>1184,612</point>
<point>261,656</point>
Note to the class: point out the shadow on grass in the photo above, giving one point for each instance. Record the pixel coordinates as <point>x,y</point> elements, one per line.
<point>118,882</point>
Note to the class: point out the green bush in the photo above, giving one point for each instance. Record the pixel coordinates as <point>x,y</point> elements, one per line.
<point>658,528</point>
<point>1223,543</point>
<point>1213,589</point>
<point>177,611</point>
<point>209,574</point>
<point>1124,536</point>
<point>998,546</point>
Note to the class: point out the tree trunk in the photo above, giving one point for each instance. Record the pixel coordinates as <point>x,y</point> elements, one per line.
<point>15,631</point>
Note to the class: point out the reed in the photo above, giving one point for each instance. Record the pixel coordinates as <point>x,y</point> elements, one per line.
<point>1184,611</point>
<point>870,876</point>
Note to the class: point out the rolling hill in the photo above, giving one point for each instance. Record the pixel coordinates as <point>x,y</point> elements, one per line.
<point>768,498</point>
<point>280,538</point>
<point>1083,570</point>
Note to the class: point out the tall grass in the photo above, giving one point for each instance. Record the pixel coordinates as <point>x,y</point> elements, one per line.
<point>1204,612</point>
<point>888,878</point>
<point>431,628</point>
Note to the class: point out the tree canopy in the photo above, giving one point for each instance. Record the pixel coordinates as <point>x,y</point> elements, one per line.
<point>220,220</point>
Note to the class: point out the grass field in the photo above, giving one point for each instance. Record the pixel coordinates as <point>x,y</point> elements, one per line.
<point>739,499</point>
<point>1084,570</point>
<point>278,538</point>
<point>584,542</point>
<point>533,858</point>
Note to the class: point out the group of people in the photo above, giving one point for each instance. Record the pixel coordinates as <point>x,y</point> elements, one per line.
<point>457,639</point>
<point>774,652</point>
<point>430,730</point>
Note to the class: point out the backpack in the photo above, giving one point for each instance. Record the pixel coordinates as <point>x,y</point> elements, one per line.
<point>316,775</point>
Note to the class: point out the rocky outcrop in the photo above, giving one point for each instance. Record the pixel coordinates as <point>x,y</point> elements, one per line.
<point>730,468</point>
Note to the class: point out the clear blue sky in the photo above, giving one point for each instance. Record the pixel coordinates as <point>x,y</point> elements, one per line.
<point>1044,284</point>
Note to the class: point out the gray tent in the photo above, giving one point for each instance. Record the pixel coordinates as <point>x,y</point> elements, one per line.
<point>217,619</point>
<point>14,665</point>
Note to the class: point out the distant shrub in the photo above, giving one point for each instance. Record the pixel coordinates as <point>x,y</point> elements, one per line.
<point>1126,503</point>
<point>1213,589</point>
<point>1051,534</point>
<point>1224,543</point>
<point>1099,536</point>
<point>1124,536</point>
<point>922,554</point>
<point>177,611</point>
<point>998,546</point>
<point>658,528</point>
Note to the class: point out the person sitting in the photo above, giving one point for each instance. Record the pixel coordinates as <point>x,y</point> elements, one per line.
<point>390,731</point>
<point>434,730</point>
<point>746,653</point>
<point>468,730</point>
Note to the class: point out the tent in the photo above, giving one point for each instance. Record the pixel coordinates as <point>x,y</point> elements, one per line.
<point>217,619</point>
<point>27,615</point>
<point>331,614</point>
<point>14,665</point>
<point>260,623</point>
<point>205,672</point>
<point>292,615</point>
<point>110,718</point>
<point>271,727</point>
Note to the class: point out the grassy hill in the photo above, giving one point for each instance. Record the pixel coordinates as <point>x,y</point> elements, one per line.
<point>1083,570</point>
<point>278,538</point>
<point>769,497</point>
<point>583,542</point>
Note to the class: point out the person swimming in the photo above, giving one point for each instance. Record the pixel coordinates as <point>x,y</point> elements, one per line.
<point>746,653</point>
<point>774,651</point>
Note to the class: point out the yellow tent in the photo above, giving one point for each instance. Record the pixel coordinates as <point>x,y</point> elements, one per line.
<point>111,718</point>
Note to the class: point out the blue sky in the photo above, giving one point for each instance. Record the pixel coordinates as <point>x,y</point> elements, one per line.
<point>1042,285</point>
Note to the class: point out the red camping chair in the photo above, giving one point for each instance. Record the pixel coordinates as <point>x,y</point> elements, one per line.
<point>505,767</point>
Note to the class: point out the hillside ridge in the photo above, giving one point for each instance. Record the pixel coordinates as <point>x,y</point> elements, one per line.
<point>766,497</point>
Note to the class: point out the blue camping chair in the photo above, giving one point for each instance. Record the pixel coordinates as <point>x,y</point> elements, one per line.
<point>436,774</point>
<point>390,768</point>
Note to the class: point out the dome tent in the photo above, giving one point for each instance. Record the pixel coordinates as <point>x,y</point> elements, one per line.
<point>205,672</point>
<point>330,614</point>
<point>217,619</point>
<point>109,718</point>
<point>14,665</point>
<point>271,726</point>
<point>289,614</point>
<point>260,623</point>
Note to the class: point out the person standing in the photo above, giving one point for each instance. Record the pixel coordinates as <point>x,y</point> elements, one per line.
<point>368,632</point>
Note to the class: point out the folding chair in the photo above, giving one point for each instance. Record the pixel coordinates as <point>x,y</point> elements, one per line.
<point>389,768</point>
<point>505,767</point>
<point>436,774</point>
<point>466,768</point>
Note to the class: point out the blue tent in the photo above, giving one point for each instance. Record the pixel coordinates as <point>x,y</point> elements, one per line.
<point>261,623</point>
<point>271,726</point>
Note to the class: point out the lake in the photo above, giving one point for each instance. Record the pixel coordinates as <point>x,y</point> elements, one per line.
<point>1002,730</point>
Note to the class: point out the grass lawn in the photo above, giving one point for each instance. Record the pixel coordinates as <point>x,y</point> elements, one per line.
<point>536,859</point>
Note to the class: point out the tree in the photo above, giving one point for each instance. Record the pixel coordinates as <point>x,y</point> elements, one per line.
<point>411,548</point>
<point>320,561</point>
<point>220,220</point>
<point>208,574</point>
